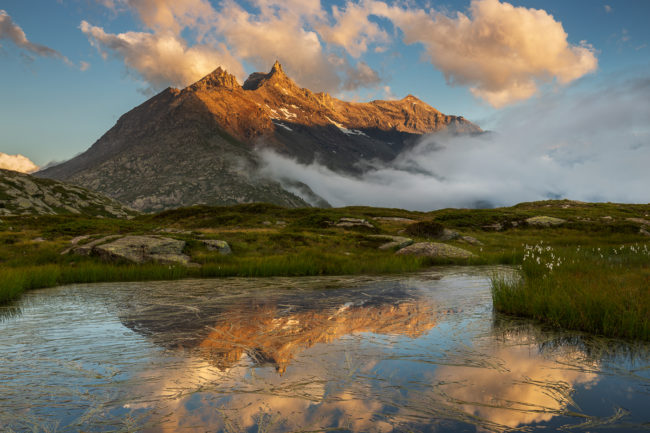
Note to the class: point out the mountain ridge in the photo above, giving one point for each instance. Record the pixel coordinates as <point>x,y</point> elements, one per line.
<point>198,144</point>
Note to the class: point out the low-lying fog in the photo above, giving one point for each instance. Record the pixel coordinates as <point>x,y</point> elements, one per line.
<point>591,146</point>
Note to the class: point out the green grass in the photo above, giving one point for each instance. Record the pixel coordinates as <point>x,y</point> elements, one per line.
<point>269,240</point>
<point>601,290</point>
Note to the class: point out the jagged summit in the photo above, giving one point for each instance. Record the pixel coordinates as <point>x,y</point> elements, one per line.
<point>217,78</point>
<point>275,75</point>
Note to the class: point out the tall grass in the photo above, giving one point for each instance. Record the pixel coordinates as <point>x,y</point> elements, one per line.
<point>599,290</point>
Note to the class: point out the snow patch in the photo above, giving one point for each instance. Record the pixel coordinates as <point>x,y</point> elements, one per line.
<point>282,125</point>
<point>345,130</point>
<point>288,114</point>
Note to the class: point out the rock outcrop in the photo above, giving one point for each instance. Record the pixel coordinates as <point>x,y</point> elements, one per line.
<point>22,194</point>
<point>135,249</point>
<point>545,221</point>
<point>435,250</point>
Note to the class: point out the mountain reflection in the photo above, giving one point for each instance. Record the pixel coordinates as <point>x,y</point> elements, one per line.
<point>271,329</point>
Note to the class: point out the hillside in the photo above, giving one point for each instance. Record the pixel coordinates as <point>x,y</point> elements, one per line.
<point>21,194</point>
<point>198,145</point>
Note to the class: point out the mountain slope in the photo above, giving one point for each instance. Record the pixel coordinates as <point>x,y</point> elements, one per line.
<point>198,145</point>
<point>21,194</point>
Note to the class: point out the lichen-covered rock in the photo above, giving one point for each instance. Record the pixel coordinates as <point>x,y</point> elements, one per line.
<point>545,221</point>
<point>87,248</point>
<point>435,250</point>
<point>143,249</point>
<point>393,242</point>
<point>217,245</point>
<point>353,222</point>
<point>470,240</point>
<point>642,221</point>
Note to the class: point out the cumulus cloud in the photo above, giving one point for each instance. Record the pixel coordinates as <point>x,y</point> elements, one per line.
<point>162,59</point>
<point>232,35</point>
<point>591,146</point>
<point>17,163</point>
<point>352,29</point>
<point>12,31</point>
<point>502,52</point>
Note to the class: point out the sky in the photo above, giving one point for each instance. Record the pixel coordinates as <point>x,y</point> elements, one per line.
<point>70,68</point>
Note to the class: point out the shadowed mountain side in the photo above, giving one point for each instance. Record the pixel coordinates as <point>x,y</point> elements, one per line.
<point>197,145</point>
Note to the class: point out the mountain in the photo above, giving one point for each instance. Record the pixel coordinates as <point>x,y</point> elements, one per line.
<point>22,194</point>
<point>198,145</point>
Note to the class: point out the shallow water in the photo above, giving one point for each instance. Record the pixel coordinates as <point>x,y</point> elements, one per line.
<point>422,352</point>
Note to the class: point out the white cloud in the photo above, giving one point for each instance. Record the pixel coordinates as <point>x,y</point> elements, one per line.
<point>502,52</point>
<point>591,147</point>
<point>17,163</point>
<point>608,9</point>
<point>163,59</point>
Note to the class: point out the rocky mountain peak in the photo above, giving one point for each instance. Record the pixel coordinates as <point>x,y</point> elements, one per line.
<point>217,78</point>
<point>275,76</point>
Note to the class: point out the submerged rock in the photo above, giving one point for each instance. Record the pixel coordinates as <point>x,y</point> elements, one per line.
<point>435,250</point>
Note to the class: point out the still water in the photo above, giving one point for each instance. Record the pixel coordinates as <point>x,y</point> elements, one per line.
<point>416,353</point>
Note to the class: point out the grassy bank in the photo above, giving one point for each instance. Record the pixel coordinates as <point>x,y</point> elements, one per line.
<point>603,290</point>
<point>268,240</point>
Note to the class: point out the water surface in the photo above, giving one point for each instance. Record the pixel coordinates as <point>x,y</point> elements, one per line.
<point>422,352</point>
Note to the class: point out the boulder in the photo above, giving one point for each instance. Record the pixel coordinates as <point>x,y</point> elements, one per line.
<point>87,249</point>
<point>470,240</point>
<point>143,249</point>
<point>435,250</point>
<point>644,232</point>
<point>395,220</point>
<point>642,221</point>
<point>545,221</point>
<point>216,245</point>
<point>353,222</point>
<point>393,241</point>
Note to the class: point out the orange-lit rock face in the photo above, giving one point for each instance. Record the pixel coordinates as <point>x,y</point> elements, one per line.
<point>267,100</point>
<point>267,335</point>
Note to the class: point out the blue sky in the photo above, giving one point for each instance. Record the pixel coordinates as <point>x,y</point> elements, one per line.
<point>53,106</point>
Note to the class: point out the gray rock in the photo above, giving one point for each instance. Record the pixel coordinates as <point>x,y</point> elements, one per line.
<point>216,245</point>
<point>448,235</point>
<point>87,249</point>
<point>143,249</point>
<point>435,250</point>
<point>470,240</point>
<point>643,222</point>
<point>394,242</point>
<point>545,221</point>
<point>493,227</point>
<point>644,232</point>
<point>353,222</point>
<point>395,220</point>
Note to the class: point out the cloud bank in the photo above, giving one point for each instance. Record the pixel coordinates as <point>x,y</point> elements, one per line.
<point>590,146</point>
<point>501,52</point>
<point>17,163</point>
